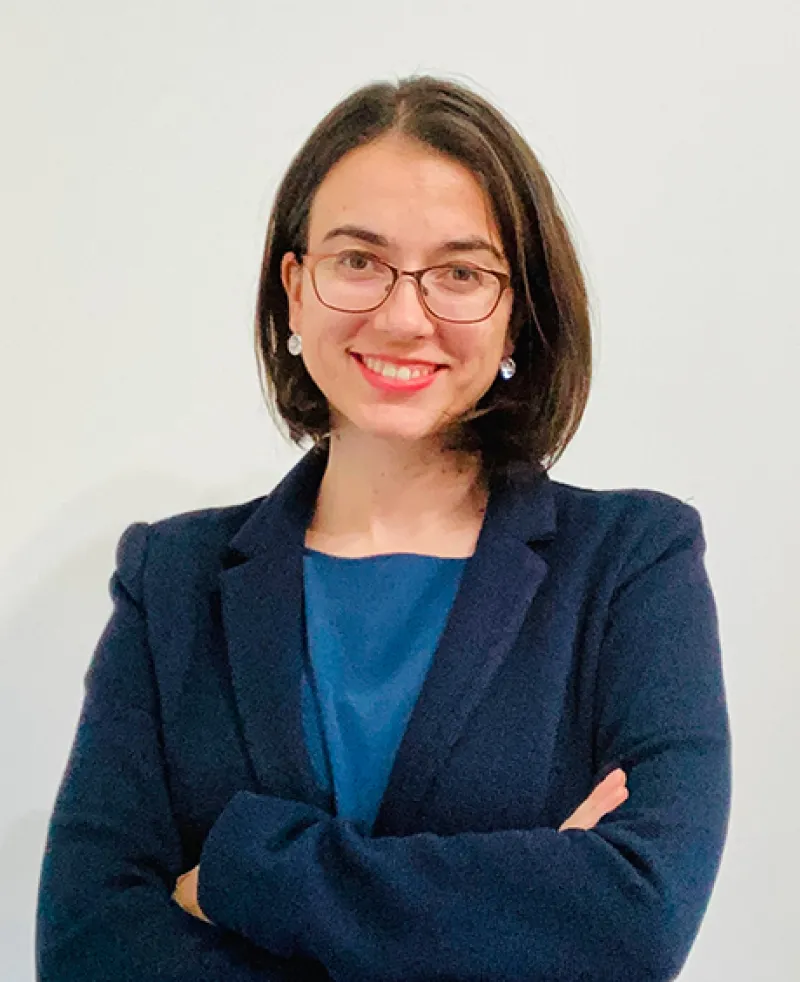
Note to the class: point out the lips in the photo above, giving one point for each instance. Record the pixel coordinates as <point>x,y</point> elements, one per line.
<point>401,380</point>
<point>400,362</point>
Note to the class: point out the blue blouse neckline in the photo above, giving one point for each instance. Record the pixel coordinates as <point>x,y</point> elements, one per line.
<point>308,551</point>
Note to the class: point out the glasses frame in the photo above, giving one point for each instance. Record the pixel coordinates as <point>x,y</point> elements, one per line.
<point>504,280</point>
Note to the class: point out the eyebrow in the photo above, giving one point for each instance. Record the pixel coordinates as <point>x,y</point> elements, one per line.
<point>471,243</point>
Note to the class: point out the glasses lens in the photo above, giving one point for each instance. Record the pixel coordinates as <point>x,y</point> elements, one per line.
<point>460,293</point>
<point>352,281</point>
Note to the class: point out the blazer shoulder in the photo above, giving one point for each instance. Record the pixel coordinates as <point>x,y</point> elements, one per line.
<point>628,503</point>
<point>213,525</point>
<point>189,544</point>
<point>631,522</point>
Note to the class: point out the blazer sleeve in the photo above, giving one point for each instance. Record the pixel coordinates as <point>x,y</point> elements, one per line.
<point>113,851</point>
<point>622,901</point>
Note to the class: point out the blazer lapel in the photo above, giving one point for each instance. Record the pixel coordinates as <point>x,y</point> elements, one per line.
<point>264,623</point>
<point>499,582</point>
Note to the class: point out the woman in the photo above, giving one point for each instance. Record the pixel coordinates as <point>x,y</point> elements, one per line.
<point>336,731</point>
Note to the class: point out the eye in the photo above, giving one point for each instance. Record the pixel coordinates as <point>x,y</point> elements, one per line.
<point>464,274</point>
<point>458,278</point>
<point>355,261</point>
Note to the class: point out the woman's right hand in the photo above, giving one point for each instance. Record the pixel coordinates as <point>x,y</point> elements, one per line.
<point>608,795</point>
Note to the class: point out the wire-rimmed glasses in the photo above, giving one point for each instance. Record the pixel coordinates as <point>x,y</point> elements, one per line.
<point>356,282</point>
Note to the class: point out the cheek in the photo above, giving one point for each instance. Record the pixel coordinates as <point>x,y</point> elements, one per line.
<point>327,332</point>
<point>480,352</point>
<point>326,338</point>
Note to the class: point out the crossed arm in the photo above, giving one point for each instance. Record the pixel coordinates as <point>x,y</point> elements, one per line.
<point>608,795</point>
<point>294,893</point>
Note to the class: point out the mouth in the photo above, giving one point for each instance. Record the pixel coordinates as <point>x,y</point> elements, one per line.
<point>396,374</point>
<point>403,369</point>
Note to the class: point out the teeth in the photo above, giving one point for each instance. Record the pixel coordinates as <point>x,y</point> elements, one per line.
<point>402,372</point>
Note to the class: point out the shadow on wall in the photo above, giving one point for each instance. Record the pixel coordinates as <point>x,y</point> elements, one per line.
<point>54,604</point>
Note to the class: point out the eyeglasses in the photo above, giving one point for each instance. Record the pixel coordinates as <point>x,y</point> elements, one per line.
<point>356,282</point>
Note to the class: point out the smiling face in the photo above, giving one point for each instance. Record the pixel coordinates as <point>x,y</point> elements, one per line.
<point>409,206</point>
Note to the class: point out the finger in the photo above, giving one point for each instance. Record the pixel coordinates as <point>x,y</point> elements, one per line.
<point>605,793</point>
<point>613,779</point>
<point>609,786</point>
<point>608,795</point>
<point>587,817</point>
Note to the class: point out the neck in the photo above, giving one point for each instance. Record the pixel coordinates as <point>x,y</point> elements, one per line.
<point>380,496</point>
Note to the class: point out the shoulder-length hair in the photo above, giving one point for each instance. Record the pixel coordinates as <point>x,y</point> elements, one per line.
<point>527,421</point>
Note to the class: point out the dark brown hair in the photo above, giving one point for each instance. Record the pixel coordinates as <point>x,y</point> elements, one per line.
<point>528,420</point>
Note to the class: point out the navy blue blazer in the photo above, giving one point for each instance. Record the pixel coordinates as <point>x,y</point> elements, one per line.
<point>583,637</point>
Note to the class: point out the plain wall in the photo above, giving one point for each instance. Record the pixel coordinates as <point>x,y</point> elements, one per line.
<point>141,147</point>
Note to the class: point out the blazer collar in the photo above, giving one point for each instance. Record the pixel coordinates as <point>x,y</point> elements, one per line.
<point>264,622</point>
<point>285,513</point>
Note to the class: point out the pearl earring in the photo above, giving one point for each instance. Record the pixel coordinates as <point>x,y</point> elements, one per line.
<point>507,368</point>
<point>294,344</point>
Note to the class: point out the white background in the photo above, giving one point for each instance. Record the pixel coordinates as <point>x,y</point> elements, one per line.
<point>141,146</point>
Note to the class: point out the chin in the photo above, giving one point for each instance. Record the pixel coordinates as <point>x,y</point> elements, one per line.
<point>408,431</point>
<point>398,434</point>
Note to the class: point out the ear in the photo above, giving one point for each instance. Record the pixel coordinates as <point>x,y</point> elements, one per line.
<point>508,348</point>
<point>292,279</point>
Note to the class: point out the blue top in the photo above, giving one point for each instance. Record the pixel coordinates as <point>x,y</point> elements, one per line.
<point>583,637</point>
<point>373,624</point>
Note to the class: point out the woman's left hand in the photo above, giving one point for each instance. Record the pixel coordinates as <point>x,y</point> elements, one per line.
<point>185,894</point>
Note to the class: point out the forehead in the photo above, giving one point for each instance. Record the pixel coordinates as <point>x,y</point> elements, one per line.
<point>405,191</point>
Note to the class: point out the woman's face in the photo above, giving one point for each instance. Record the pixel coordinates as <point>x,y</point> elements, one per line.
<point>403,203</point>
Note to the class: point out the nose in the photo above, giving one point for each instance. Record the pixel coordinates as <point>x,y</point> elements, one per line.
<point>403,312</point>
